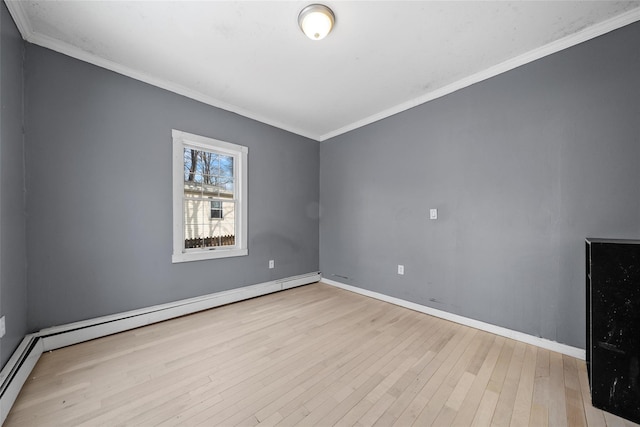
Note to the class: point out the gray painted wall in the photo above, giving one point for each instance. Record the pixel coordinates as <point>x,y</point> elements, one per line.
<point>99,229</point>
<point>522,167</point>
<point>13,282</point>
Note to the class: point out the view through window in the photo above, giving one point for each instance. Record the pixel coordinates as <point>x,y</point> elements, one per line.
<point>210,197</point>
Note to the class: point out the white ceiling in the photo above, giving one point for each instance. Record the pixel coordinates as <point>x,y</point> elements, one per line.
<point>383,57</point>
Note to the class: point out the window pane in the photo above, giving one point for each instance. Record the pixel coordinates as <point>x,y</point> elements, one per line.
<point>208,223</point>
<point>226,166</point>
<point>193,243</point>
<point>192,212</point>
<point>226,186</point>
<point>187,164</point>
<point>207,160</point>
<point>189,194</point>
<point>227,240</point>
<point>212,238</point>
<point>210,190</point>
<point>229,213</point>
<point>215,165</point>
<point>192,165</point>
<point>228,224</point>
<point>193,229</point>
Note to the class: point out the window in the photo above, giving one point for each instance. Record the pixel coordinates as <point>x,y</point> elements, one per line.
<point>216,210</point>
<point>209,198</point>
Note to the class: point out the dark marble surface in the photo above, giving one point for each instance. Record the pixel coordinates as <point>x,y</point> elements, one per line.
<point>613,325</point>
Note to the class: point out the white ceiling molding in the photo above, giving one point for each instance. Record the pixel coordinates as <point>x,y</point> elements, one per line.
<point>549,49</point>
<point>20,15</point>
<point>20,18</point>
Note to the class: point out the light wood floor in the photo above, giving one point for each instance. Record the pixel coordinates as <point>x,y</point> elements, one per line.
<point>310,355</point>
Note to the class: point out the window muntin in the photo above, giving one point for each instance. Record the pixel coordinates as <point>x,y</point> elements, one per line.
<point>209,191</point>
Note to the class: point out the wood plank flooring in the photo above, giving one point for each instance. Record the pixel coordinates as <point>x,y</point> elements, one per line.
<point>314,355</point>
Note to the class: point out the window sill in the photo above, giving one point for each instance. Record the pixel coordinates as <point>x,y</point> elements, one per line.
<point>209,254</point>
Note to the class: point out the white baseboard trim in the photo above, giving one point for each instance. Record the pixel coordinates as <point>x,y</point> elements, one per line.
<point>498,330</point>
<point>17,369</point>
<point>73,333</point>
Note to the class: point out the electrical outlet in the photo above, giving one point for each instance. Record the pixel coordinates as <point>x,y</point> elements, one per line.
<point>272,263</point>
<point>3,329</point>
<point>400,269</point>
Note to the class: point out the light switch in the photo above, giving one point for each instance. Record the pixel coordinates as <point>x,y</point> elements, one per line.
<point>433,213</point>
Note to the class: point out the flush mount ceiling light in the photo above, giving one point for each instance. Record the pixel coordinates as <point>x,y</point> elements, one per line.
<point>316,21</point>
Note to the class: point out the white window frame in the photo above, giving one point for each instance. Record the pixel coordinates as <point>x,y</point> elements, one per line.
<point>182,140</point>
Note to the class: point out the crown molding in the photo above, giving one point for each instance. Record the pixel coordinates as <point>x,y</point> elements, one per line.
<point>20,18</point>
<point>566,42</point>
<point>76,53</point>
<point>22,22</point>
<point>17,11</point>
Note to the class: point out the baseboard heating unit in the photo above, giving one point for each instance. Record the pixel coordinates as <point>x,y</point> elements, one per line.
<point>17,369</point>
